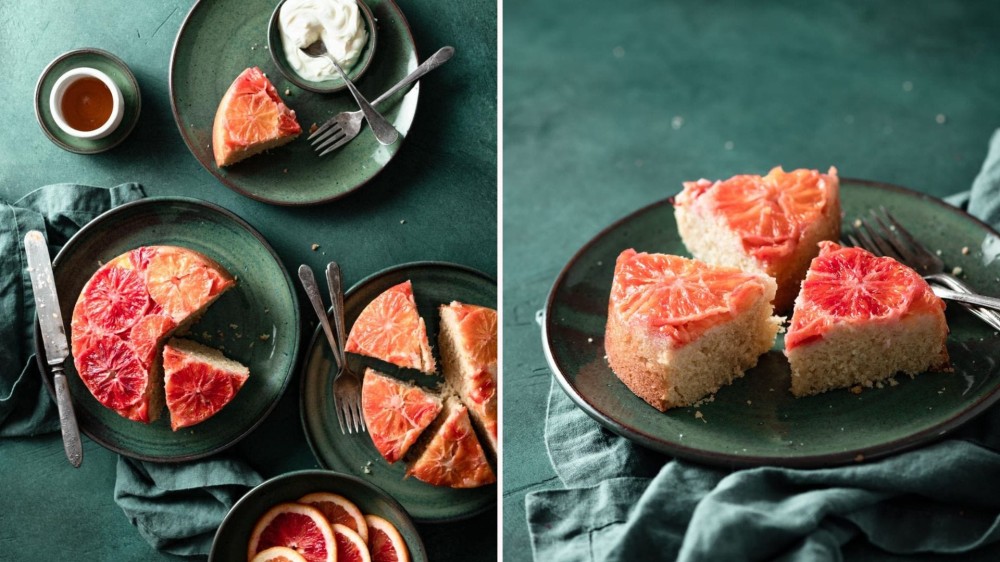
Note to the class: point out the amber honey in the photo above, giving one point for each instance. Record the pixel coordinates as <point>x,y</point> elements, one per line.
<point>87,104</point>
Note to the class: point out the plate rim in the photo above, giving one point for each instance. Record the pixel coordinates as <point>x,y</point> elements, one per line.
<point>730,460</point>
<point>297,344</point>
<point>318,333</point>
<point>213,170</point>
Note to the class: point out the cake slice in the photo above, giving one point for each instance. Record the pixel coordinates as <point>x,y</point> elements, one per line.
<point>452,456</point>
<point>768,224</point>
<point>391,329</point>
<point>679,329</point>
<point>124,313</point>
<point>467,341</point>
<point>251,118</point>
<point>395,412</point>
<point>198,381</point>
<point>861,319</point>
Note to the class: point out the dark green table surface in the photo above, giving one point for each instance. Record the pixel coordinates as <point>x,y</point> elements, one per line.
<point>609,106</point>
<point>442,184</point>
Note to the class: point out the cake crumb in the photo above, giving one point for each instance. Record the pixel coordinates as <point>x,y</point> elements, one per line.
<point>749,402</point>
<point>590,340</point>
<point>206,336</point>
<point>859,458</point>
<point>956,271</point>
<point>677,122</point>
<point>938,252</point>
<point>312,128</point>
<point>729,145</point>
<point>965,250</point>
<point>856,389</point>
<point>288,92</point>
<point>402,221</point>
<point>699,416</point>
<point>234,326</point>
<point>878,384</point>
<point>907,86</point>
<point>315,247</point>
<point>264,337</point>
<point>770,390</point>
<point>267,311</point>
<point>940,118</point>
<point>893,382</point>
<point>857,223</point>
<point>284,171</point>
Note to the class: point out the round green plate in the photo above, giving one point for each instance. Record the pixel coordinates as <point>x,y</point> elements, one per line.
<point>433,284</point>
<point>756,420</point>
<point>221,38</point>
<point>111,65</point>
<point>233,537</point>
<point>255,323</point>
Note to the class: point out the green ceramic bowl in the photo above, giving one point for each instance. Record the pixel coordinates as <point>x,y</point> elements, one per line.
<point>233,537</point>
<point>263,308</point>
<point>756,420</point>
<point>277,48</point>
<point>434,284</point>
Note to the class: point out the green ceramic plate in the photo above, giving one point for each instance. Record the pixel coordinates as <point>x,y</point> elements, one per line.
<point>263,308</point>
<point>233,536</point>
<point>221,38</point>
<point>111,65</point>
<point>756,421</point>
<point>433,284</point>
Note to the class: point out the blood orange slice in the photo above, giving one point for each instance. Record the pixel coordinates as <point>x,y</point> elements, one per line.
<point>338,509</point>
<point>251,118</point>
<point>454,456</point>
<point>384,542</point>
<point>198,381</point>
<point>278,554</point>
<point>350,546</point>
<point>391,329</point>
<point>180,282</point>
<point>396,413</point>
<point>477,328</point>
<point>147,333</point>
<point>299,527</point>
<point>115,299</point>
<point>113,373</point>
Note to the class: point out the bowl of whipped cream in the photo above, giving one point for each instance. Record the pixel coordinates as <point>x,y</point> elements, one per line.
<point>346,27</point>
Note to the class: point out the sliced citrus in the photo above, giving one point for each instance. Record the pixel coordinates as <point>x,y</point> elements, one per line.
<point>179,282</point>
<point>454,456</point>
<point>198,381</point>
<point>338,509</point>
<point>677,297</point>
<point>115,299</point>
<point>396,413</point>
<point>278,554</point>
<point>477,328</point>
<point>147,333</point>
<point>251,118</point>
<point>350,546</point>
<point>384,542</point>
<point>391,329</point>
<point>296,526</point>
<point>113,373</point>
<point>139,258</point>
<point>851,285</point>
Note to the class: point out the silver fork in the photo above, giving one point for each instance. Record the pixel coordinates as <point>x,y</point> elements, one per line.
<point>884,235</point>
<point>347,383</point>
<point>343,127</point>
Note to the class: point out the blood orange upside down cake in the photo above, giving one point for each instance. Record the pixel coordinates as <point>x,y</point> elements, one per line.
<point>679,329</point>
<point>861,319</point>
<point>125,312</point>
<point>453,456</point>
<point>391,329</point>
<point>251,118</point>
<point>395,413</point>
<point>769,224</point>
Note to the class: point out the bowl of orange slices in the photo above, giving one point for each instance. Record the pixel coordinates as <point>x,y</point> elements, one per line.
<point>317,515</point>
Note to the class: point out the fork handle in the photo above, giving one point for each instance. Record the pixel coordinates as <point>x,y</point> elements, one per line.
<point>437,59</point>
<point>385,133</point>
<point>312,291</point>
<point>970,298</point>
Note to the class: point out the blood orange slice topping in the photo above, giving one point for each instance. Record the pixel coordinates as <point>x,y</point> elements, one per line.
<point>678,297</point>
<point>454,456</point>
<point>391,329</point>
<point>139,258</point>
<point>395,413</point>
<point>846,285</point>
<point>768,213</point>
<point>338,509</point>
<point>350,546</point>
<point>255,113</point>
<point>147,333</point>
<point>299,527</point>
<point>477,327</point>
<point>115,299</point>
<point>195,389</point>
<point>384,542</point>
<point>179,282</point>
<point>113,373</point>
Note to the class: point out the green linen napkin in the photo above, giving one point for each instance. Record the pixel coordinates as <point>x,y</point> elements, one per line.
<point>621,502</point>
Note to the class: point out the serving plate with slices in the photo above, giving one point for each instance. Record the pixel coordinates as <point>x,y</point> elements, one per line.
<point>756,420</point>
<point>434,283</point>
<point>256,322</point>
<point>220,39</point>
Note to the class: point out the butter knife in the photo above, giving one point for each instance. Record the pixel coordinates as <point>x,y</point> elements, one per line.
<point>49,316</point>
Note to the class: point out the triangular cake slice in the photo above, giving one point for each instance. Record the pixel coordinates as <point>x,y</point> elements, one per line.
<point>861,319</point>
<point>468,344</point>
<point>767,224</point>
<point>680,329</point>
<point>395,412</point>
<point>125,312</point>
<point>452,456</point>
<point>251,118</point>
<point>391,329</point>
<point>198,381</point>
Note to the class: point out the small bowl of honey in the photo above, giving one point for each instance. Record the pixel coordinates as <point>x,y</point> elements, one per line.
<point>87,101</point>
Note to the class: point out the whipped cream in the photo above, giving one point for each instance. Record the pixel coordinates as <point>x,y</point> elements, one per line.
<point>339,23</point>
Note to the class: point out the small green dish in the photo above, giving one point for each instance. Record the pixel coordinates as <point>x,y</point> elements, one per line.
<point>277,48</point>
<point>111,65</point>
<point>233,536</point>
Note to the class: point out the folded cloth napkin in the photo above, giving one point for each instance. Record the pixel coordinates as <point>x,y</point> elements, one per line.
<point>176,507</point>
<point>623,502</point>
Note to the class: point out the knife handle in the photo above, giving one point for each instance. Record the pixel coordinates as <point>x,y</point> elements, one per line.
<point>67,418</point>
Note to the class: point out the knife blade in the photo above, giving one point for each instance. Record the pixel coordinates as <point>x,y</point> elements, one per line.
<point>43,286</point>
